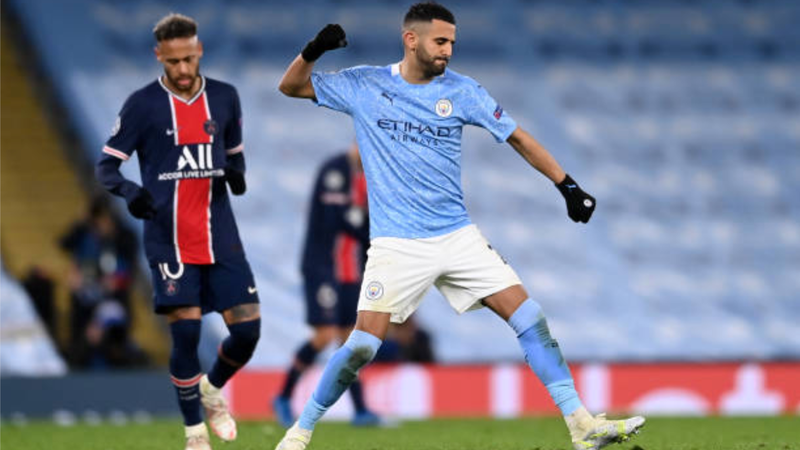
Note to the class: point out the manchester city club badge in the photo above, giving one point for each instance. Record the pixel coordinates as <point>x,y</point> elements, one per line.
<point>374,290</point>
<point>444,108</point>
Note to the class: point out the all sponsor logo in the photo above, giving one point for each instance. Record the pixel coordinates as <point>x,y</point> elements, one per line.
<point>194,163</point>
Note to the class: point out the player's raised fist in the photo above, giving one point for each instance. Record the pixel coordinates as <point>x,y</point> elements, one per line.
<point>141,205</point>
<point>580,205</point>
<point>329,38</point>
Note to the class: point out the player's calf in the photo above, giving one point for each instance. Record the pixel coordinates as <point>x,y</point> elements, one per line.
<point>234,353</point>
<point>184,367</point>
<point>341,370</point>
<point>543,355</point>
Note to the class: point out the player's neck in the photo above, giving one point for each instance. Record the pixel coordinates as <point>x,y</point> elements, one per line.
<point>186,95</point>
<point>412,73</point>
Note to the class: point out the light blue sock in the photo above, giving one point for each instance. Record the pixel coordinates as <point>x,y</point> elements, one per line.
<point>544,356</point>
<point>340,371</point>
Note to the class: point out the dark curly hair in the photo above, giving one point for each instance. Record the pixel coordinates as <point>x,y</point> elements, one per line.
<point>426,12</point>
<point>173,26</point>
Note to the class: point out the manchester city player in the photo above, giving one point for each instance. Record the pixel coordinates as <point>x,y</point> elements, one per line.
<point>408,119</point>
<point>187,131</point>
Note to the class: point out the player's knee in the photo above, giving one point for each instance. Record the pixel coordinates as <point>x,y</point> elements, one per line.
<point>243,340</point>
<point>528,314</point>
<point>364,347</point>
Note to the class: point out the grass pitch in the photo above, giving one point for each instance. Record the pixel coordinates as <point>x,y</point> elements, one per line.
<point>775,433</point>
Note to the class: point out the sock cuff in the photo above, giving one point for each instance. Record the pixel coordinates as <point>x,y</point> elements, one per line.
<point>526,316</point>
<point>185,325</point>
<point>249,329</point>
<point>564,395</point>
<point>360,338</point>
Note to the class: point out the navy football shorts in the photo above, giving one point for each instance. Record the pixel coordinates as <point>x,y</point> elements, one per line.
<point>331,303</point>
<point>212,287</point>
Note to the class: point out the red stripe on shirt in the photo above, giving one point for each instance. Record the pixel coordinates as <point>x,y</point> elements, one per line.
<point>359,189</point>
<point>194,221</point>
<point>193,214</point>
<point>347,267</point>
<point>190,118</point>
<point>348,249</point>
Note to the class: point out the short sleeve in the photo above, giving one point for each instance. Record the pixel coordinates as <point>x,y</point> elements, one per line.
<point>126,133</point>
<point>484,111</point>
<point>233,131</point>
<point>336,90</point>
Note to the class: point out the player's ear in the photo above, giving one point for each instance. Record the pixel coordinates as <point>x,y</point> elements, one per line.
<point>410,39</point>
<point>158,53</point>
<point>199,48</point>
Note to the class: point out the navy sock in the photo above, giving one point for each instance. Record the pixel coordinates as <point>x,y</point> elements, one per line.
<point>184,368</point>
<point>357,394</point>
<point>304,357</point>
<point>235,351</point>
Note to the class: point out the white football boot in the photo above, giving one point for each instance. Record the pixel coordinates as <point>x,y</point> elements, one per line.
<point>296,438</point>
<point>197,437</point>
<point>222,424</point>
<point>594,433</point>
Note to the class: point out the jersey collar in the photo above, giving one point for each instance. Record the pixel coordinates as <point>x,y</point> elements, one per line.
<point>191,100</point>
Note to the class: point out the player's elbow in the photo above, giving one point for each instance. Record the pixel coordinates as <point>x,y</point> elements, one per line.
<point>288,88</point>
<point>292,88</point>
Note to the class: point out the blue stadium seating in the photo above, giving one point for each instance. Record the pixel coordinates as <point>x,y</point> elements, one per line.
<point>682,117</point>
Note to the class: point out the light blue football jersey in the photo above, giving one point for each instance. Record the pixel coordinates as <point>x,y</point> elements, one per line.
<point>409,136</point>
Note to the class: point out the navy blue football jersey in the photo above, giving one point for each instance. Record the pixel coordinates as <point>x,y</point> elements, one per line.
<point>182,148</point>
<point>338,226</point>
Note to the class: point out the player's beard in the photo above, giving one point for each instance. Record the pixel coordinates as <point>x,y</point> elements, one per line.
<point>429,65</point>
<point>188,88</point>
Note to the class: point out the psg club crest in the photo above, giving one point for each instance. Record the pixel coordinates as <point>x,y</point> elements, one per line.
<point>374,290</point>
<point>444,108</point>
<point>171,287</point>
<point>211,128</point>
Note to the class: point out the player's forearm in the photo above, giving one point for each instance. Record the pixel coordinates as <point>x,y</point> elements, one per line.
<point>296,81</point>
<point>536,155</point>
<point>108,175</point>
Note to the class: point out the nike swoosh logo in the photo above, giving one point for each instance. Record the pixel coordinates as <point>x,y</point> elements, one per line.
<point>252,290</point>
<point>171,132</point>
<point>572,186</point>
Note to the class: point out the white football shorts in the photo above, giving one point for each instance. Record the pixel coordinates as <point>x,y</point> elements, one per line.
<point>461,264</point>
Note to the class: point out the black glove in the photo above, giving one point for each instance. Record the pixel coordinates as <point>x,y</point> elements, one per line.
<point>235,179</point>
<point>580,205</point>
<point>141,205</point>
<point>329,38</point>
